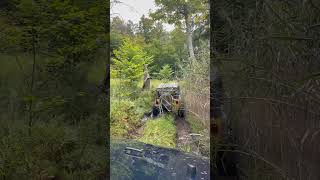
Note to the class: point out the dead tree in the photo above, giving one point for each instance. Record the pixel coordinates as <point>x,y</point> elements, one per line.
<point>146,79</point>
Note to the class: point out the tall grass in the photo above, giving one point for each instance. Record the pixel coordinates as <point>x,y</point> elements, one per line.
<point>195,124</point>
<point>160,132</point>
<point>201,141</point>
<point>127,111</point>
<point>67,125</point>
<point>124,118</point>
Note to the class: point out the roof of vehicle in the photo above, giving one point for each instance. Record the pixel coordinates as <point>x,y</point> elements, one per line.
<point>168,85</point>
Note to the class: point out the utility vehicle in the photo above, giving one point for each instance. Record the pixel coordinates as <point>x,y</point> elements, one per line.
<point>168,99</point>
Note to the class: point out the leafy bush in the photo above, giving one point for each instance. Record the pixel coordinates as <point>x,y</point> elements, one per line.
<point>144,102</point>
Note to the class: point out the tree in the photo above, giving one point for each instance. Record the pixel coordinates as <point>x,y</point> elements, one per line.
<point>146,25</point>
<point>30,18</point>
<point>175,11</point>
<point>178,38</point>
<point>265,65</point>
<point>65,120</point>
<point>129,62</point>
<point>120,30</point>
<point>166,73</point>
<point>74,32</point>
<point>165,47</point>
<point>163,52</point>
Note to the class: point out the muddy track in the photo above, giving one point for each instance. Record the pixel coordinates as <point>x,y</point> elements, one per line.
<point>183,131</point>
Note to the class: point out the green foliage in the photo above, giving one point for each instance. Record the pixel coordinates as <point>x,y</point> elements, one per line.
<point>125,112</point>
<point>129,63</point>
<point>195,123</point>
<point>95,72</point>
<point>163,52</point>
<point>166,73</point>
<point>178,11</point>
<point>174,11</point>
<point>146,28</point>
<point>160,132</point>
<point>119,30</point>
<point>203,143</point>
<point>51,150</point>
<point>58,27</point>
<point>166,48</point>
<point>178,40</point>
<point>124,118</point>
<point>269,65</point>
<point>145,101</point>
<point>81,28</point>
<point>67,135</point>
<point>57,113</point>
<point>197,73</point>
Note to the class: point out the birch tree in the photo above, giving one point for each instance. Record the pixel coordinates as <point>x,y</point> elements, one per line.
<point>178,12</point>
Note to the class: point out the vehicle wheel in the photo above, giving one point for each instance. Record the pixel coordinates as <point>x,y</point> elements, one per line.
<point>155,111</point>
<point>181,113</point>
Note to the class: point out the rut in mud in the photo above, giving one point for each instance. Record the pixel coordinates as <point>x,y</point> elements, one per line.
<point>183,131</point>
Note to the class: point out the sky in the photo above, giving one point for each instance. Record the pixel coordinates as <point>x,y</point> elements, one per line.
<point>134,9</point>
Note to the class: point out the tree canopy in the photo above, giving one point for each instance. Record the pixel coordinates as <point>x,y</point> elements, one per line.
<point>178,11</point>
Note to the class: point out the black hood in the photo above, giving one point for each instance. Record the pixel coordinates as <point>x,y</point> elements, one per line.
<point>131,159</point>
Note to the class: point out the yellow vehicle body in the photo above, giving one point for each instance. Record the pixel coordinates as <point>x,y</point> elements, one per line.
<point>169,99</point>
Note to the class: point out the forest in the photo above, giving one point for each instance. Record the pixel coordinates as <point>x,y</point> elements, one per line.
<point>180,55</point>
<point>248,73</point>
<point>53,100</point>
<point>265,86</point>
<point>54,82</point>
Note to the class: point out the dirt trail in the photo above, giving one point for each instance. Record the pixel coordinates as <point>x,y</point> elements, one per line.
<point>183,131</point>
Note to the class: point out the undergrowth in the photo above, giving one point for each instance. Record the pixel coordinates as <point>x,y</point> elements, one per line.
<point>51,150</point>
<point>124,118</point>
<point>203,141</point>
<point>195,124</point>
<point>126,111</point>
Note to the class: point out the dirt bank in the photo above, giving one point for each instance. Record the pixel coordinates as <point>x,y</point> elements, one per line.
<point>183,131</point>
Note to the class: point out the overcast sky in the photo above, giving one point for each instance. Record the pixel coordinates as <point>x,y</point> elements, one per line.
<point>134,9</point>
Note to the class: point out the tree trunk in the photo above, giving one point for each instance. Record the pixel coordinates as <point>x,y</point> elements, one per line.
<point>32,79</point>
<point>146,79</point>
<point>189,36</point>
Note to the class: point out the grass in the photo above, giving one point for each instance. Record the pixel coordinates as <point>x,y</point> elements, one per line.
<point>126,112</point>
<point>160,132</point>
<point>114,82</point>
<point>195,124</point>
<point>203,143</point>
<point>124,118</point>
